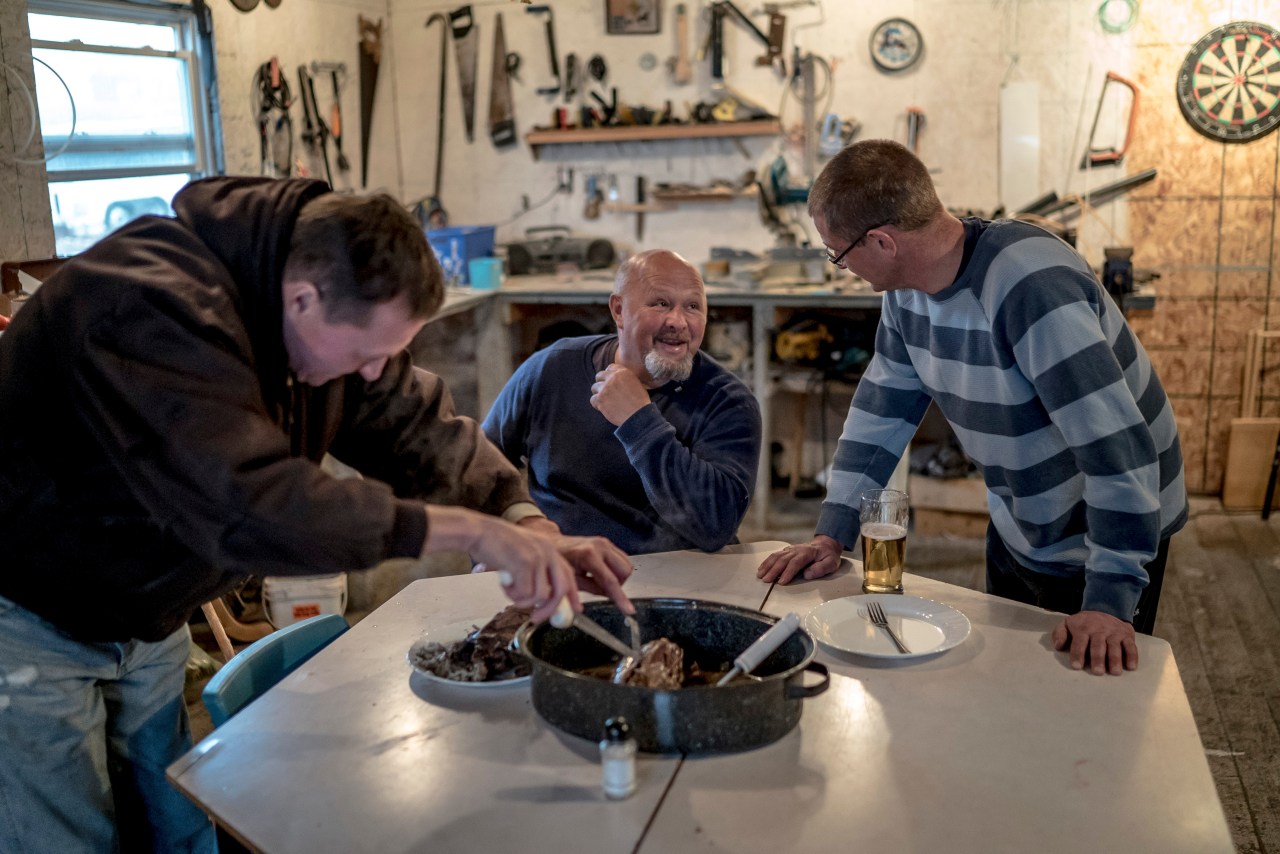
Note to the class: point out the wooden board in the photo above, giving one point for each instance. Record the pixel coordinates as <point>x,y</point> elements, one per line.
<point>956,495</point>
<point>1250,449</point>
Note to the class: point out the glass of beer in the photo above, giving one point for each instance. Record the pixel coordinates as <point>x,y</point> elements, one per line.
<point>883,527</point>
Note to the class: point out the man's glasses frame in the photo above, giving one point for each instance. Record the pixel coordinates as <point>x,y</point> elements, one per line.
<point>836,259</point>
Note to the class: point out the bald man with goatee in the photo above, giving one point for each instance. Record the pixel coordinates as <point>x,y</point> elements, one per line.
<point>637,436</point>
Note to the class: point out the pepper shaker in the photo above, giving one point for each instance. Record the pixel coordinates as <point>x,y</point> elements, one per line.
<point>618,758</point>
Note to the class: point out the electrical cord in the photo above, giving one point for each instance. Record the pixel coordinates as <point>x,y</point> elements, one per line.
<point>31,105</point>
<point>554,192</point>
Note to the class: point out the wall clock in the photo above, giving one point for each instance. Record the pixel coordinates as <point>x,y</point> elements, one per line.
<point>1229,84</point>
<point>896,44</point>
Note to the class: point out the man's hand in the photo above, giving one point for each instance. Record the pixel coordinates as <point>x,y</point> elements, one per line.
<point>818,557</point>
<point>618,394</point>
<point>539,576</point>
<point>599,566</point>
<point>1108,643</point>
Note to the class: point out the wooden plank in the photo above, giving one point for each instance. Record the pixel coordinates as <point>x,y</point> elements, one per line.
<point>926,520</point>
<point>960,494</point>
<point>1250,449</point>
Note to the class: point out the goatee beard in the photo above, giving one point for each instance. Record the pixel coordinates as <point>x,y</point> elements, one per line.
<point>664,371</point>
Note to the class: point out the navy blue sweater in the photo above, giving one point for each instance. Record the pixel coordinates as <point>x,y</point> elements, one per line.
<point>677,474</point>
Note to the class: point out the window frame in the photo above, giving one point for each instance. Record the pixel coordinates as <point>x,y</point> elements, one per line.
<point>193,28</point>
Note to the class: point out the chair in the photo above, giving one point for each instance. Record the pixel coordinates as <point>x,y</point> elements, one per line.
<point>265,662</point>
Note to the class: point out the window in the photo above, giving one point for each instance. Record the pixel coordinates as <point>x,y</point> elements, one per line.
<point>124,92</point>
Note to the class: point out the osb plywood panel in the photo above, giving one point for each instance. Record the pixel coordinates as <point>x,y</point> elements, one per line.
<point>1147,327</point>
<point>1187,163</point>
<point>1271,368</point>
<point>1221,412</point>
<point>1244,283</point>
<point>1178,283</point>
<point>1175,323</point>
<point>1246,232</point>
<point>1250,169</point>
<point>1177,22</point>
<point>1227,373</point>
<point>1180,232</point>
<point>1230,316</point>
<point>1192,417</point>
<point>1183,371</point>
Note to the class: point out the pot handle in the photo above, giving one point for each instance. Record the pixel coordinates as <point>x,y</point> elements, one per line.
<point>799,692</point>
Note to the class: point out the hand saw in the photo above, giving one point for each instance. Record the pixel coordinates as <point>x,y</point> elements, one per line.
<point>465,35</point>
<point>502,122</point>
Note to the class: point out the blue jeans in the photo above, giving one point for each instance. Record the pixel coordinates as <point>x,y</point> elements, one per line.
<point>1011,580</point>
<point>86,732</point>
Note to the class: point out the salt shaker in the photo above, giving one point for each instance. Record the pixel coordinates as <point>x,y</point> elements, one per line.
<point>618,758</point>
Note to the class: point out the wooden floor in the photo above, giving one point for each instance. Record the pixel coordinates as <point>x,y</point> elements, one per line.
<point>1219,610</point>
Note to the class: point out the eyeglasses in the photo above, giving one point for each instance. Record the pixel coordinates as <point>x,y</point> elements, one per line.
<point>836,259</point>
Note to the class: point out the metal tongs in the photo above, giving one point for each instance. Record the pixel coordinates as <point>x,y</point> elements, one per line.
<point>564,618</point>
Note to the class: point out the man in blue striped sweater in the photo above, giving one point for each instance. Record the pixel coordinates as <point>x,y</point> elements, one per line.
<point>1053,398</point>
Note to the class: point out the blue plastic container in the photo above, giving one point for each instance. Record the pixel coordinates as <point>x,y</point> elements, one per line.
<point>457,245</point>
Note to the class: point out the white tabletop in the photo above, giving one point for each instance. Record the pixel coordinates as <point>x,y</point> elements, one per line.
<point>995,745</point>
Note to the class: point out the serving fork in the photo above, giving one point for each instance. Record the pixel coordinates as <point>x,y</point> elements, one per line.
<point>878,618</point>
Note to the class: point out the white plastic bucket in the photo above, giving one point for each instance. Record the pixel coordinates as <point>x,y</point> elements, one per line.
<point>290,599</point>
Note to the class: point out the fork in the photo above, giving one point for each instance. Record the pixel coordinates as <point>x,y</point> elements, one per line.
<point>878,618</point>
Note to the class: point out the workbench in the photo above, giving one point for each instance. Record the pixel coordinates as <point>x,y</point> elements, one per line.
<point>498,311</point>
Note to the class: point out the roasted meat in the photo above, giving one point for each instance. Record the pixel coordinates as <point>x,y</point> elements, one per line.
<point>484,655</point>
<point>661,666</point>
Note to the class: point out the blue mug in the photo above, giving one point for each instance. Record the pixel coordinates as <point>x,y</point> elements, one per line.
<point>486,273</point>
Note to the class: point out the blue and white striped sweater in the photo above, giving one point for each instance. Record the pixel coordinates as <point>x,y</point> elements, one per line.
<point>1049,393</point>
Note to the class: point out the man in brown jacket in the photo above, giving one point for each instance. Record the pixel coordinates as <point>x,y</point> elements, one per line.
<point>165,400</point>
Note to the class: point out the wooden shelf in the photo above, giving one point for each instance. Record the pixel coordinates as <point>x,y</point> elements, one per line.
<point>651,133</point>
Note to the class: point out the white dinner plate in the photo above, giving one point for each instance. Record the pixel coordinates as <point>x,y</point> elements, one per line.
<point>925,626</point>
<point>449,634</point>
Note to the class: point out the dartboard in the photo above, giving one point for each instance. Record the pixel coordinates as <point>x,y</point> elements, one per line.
<point>1229,84</point>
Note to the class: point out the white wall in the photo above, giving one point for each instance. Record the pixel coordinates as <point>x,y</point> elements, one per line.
<point>299,32</point>
<point>971,46</point>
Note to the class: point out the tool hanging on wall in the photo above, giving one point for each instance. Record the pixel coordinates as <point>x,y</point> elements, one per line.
<point>681,68</point>
<point>551,48</point>
<point>431,212</point>
<point>370,50</point>
<point>272,100</point>
<point>915,123</point>
<point>1111,156</point>
<point>570,77</point>
<point>1071,206</point>
<point>772,41</point>
<point>502,121</point>
<point>316,135</point>
<point>641,198</point>
<point>337,72</point>
<point>466,39</point>
<point>336,123</point>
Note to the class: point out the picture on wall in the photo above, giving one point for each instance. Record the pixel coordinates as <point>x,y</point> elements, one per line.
<point>631,17</point>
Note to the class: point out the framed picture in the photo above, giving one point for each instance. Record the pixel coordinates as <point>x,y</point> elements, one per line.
<point>631,17</point>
